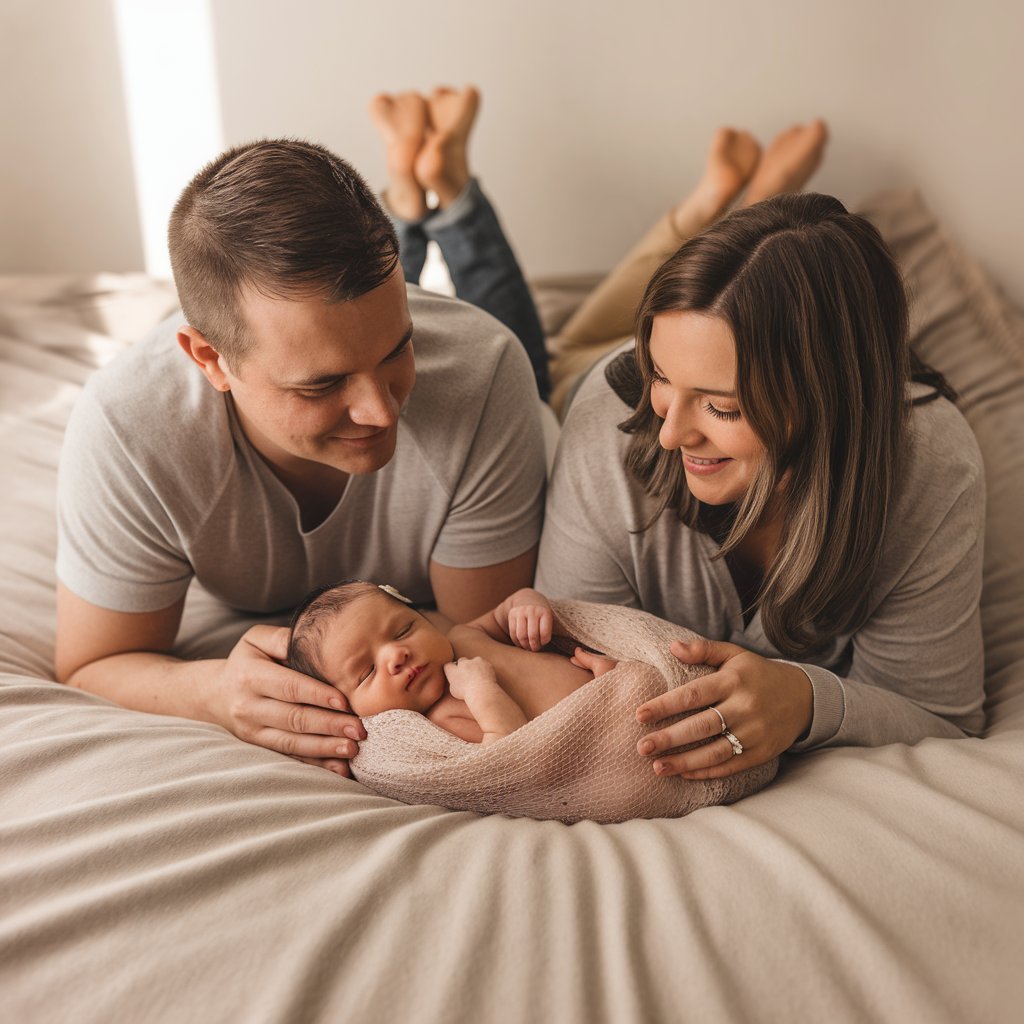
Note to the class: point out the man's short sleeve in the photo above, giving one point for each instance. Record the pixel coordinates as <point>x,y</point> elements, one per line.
<point>498,502</point>
<point>117,546</point>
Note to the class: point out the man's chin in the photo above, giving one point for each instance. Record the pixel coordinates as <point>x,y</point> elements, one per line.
<point>360,459</point>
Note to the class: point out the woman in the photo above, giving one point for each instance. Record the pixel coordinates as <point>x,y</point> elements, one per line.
<point>787,487</point>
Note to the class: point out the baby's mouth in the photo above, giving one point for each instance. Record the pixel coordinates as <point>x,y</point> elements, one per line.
<point>413,674</point>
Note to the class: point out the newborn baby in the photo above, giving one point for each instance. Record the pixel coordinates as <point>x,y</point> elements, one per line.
<point>478,681</point>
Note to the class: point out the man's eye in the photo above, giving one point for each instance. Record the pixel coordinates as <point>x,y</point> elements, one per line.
<point>319,392</point>
<point>399,352</point>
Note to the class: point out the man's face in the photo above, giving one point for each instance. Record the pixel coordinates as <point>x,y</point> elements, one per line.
<point>323,383</point>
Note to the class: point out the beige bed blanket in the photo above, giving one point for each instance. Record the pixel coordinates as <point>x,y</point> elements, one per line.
<point>159,870</point>
<point>577,761</point>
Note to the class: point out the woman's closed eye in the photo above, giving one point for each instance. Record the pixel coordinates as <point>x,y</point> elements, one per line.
<point>721,414</point>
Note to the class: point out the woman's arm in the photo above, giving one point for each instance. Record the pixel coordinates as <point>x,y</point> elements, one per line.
<point>916,666</point>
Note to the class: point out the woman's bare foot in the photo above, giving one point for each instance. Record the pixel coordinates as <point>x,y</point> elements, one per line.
<point>732,158</point>
<point>442,164</point>
<point>788,162</point>
<point>402,123</point>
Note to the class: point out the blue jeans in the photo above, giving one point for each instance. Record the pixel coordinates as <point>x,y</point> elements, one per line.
<point>482,266</point>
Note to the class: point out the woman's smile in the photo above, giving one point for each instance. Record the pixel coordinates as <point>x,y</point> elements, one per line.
<point>703,467</point>
<point>693,391</point>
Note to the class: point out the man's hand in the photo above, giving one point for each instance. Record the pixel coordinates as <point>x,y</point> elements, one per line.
<point>125,657</point>
<point>263,702</point>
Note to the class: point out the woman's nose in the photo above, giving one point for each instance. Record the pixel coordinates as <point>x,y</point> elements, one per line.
<point>676,430</point>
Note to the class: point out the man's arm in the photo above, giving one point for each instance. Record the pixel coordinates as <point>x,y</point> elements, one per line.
<point>465,594</point>
<point>124,657</point>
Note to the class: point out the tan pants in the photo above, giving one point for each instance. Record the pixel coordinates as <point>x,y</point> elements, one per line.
<point>605,317</point>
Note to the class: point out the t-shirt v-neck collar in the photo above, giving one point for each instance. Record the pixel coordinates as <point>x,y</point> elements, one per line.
<point>274,484</point>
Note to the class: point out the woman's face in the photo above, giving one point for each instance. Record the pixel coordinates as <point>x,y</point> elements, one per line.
<point>694,393</point>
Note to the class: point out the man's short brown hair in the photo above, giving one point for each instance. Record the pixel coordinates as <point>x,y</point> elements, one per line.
<point>285,217</point>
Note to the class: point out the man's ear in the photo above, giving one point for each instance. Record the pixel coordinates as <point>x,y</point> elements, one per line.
<point>205,356</point>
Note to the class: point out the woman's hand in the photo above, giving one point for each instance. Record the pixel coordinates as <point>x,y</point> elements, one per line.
<point>765,705</point>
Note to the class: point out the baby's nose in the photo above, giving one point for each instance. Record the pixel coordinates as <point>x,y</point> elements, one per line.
<point>397,657</point>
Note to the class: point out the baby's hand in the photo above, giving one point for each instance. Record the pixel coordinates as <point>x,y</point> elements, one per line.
<point>594,663</point>
<point>468,673</point>
<point>530,626</point>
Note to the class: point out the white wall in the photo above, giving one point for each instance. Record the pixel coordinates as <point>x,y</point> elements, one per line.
<point>595,116</point>
<point>67,196</point>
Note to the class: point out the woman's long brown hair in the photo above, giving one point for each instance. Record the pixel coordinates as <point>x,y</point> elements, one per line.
<point>818,312</point>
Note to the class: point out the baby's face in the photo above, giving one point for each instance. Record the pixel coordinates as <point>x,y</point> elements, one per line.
<point>384,656</point>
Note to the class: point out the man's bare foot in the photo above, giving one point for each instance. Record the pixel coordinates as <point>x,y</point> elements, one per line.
<point>442,164</point>
<point>732,158</point>
<point>402,123</point>
<point>788,162</point>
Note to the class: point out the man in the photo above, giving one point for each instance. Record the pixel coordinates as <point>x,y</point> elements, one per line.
<point>288,449</point>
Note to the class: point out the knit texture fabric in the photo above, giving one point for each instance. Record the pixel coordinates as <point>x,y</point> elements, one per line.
<point>577,761</point>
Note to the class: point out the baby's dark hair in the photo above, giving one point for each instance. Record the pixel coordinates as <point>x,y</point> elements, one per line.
<point>310,620</point>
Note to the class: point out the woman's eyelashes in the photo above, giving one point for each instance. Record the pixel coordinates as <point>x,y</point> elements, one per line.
<point>721,414</point>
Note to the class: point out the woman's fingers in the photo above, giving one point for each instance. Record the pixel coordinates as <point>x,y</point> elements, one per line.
<point>694,729</point>
<point>698,693</point>
<point>747,712</point>
<point>710,760</point>
<point>719,750</point>
<point>704,652</point>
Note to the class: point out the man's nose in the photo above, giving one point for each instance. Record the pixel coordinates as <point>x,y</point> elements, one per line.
<point>371,403</point>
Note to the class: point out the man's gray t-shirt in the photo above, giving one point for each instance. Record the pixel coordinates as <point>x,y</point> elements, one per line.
<point>158,483</point>
<point>914,669</point>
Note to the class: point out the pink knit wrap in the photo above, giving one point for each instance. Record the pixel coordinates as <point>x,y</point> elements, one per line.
<point>575,762</point>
